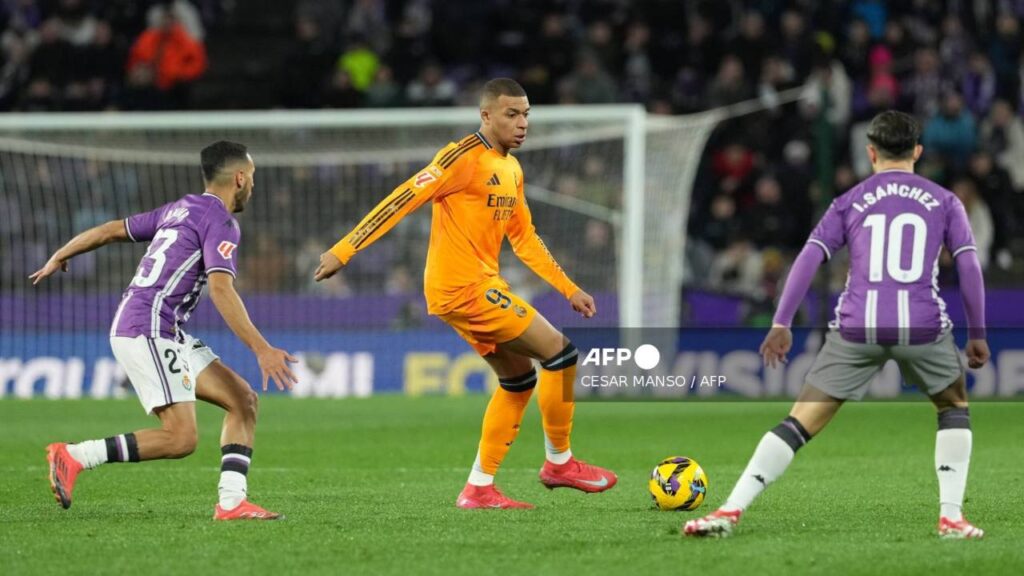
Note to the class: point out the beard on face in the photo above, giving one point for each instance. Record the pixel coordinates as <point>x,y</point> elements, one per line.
<point>242,198</point>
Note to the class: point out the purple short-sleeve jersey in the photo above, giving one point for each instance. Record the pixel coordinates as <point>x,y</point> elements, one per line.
<point>895,224</point>
<point>188,239</point>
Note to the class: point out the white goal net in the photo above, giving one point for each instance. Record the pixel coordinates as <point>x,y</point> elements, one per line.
<point>608,187</point>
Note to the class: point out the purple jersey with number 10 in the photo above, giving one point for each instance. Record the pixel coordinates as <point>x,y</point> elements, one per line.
<point>895,224</point>
<point>188,239</point>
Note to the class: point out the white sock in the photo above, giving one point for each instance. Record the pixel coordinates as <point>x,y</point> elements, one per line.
<point>90,453</point>
<point>232,489</point>
<point>477,476</point>
<point>952,457</point>
<point>554,456</point>
<point>770,460</point>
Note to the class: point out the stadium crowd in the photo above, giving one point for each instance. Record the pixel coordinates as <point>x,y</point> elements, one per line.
<point>956,64</point>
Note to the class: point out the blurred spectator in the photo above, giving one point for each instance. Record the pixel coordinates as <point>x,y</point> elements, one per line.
<point>955,47</point>
<point>384,92</point>
<point>760,184</point>
<point>536,80</point>
<point>1005,48</point>
<point>554,49</point>
<point>183,12</point>
<point>14,55</point>
<point>854,51</point>
<point>769,221</point>
<point>431,88</point>
<point>900,47</point>
<point>163,62</point>
<point>730,85</point>
<point>77,25</point>
<point>752,45</point>
<point>591,266</point>
<point>923,90</point>
<point>737,269</point>
<point>360,63</point>
<point>828,82</point>
<point>874,13</point>
<point>341,93</point>
<point>795,44</point>
<point>369,19</point>
<point>734,163</point>
<point>265,265</point>
<point>722,224</point>
<point>978,85</point>
<point>589,83</point>
<point>776,75</point>
<point>702,52</point>
<point>993,184</point>
<point>637,74</point>
<point>600,43</point>
<point>48,69</point>
<point>1002,136</point>
<point>400,282</point>
<point>979,216</point>
<point>305,65</point>
<point>951,132</point>
<point>412,44</point>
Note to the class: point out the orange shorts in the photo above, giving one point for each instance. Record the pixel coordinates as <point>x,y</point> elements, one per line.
<point>489,315</point>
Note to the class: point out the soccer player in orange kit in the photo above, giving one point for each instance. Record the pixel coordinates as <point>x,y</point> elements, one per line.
<point>477,191</point>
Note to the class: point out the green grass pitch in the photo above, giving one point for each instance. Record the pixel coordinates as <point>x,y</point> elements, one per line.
<point>369,488</point>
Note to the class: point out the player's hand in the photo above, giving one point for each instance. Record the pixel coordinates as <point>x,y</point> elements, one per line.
<point>329,266</point>
<point>977,353</point>
<point>274,364</point>
<point>583,303</point>
<point>51,266</point>
<point>776,345</point>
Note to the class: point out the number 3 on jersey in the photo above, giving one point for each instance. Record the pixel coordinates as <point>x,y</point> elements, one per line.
<point>156,254</point>
<point>892,258</point>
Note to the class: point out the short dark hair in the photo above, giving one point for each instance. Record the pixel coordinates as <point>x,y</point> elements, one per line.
<point>497,87</point>
<point>219,154</point>
<point>894,134</point>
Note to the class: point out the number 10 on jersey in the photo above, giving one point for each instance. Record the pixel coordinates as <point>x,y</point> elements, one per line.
<point>887,247</point>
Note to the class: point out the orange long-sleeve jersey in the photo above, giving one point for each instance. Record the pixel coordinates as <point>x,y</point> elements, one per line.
<point>478,201</point>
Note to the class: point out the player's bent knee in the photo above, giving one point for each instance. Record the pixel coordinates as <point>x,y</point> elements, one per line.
<point>522,383</point>
<point>183,441</point>
<point>252,404</point>
<point>247,405</point>
<point>953,418</point>
<point>567,357</point>
<point>792,432</point>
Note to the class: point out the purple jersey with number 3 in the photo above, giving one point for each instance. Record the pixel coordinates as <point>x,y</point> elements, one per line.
<point>188,239</point>
<point>895,224</point>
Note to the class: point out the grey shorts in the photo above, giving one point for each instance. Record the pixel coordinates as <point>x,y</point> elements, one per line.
<point>845,369</point>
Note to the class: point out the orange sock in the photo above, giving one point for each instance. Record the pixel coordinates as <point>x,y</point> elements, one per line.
<point>555,398</point>
<point>501,420</point>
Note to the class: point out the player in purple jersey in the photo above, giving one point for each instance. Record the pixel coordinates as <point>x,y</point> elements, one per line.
<point>895,225</point>
<point>192,241</point>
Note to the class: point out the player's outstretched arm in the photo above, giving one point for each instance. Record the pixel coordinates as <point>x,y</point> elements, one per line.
<point>531,250</point>
<point>273,361</point>
<point>583,303</point>
<point>403,200</point>
<point>328,266</point>
<point>972,290</point>
<point>780,339</point>
<point>91,239</point>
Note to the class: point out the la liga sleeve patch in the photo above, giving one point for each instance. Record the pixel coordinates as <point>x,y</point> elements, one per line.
<point>226,249</point>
